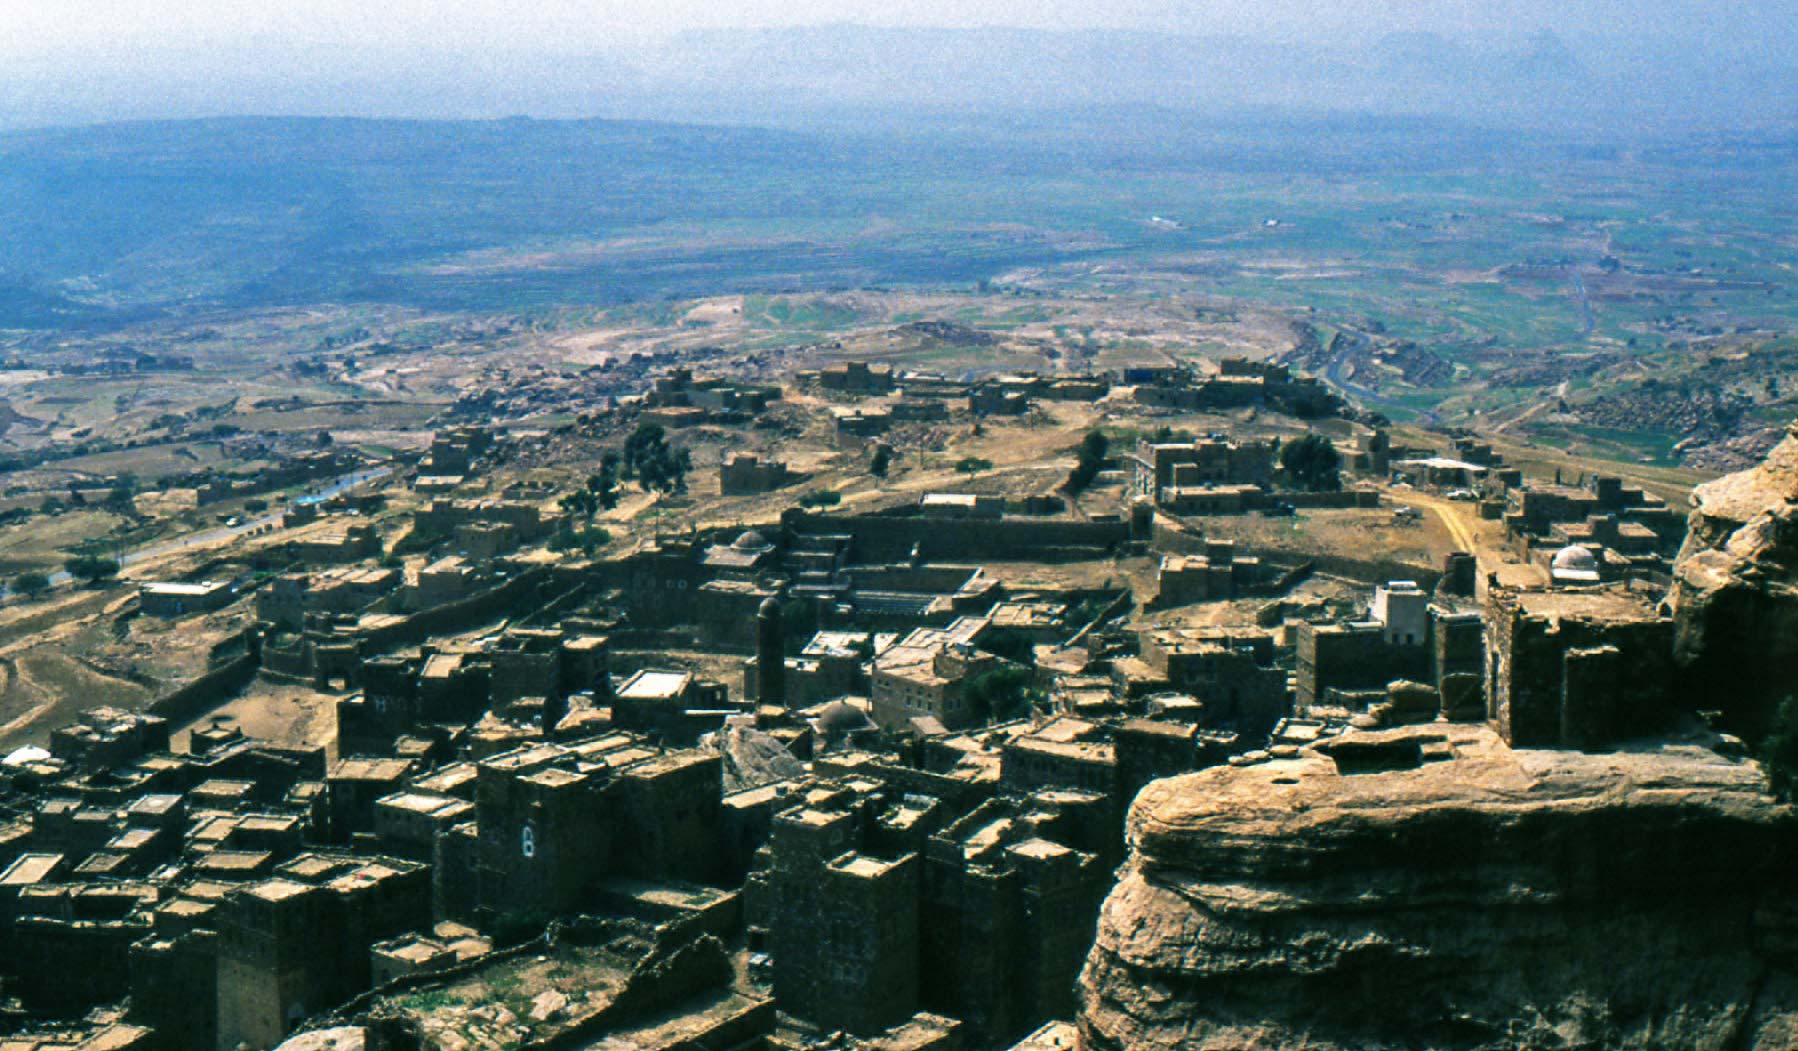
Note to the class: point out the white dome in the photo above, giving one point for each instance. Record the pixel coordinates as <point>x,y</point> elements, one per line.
<point>1575,559</point>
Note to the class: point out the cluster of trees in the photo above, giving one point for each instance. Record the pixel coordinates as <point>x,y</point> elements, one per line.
<point>1001,693</point>
<point>1089,460</point>
<point>1311,462</point>
<point>647,457</point>
<point>588,539</point>
<point>653,462</point>
<point>92,569</point>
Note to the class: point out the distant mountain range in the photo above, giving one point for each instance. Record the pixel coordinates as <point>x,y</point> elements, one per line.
<point>804,75</point>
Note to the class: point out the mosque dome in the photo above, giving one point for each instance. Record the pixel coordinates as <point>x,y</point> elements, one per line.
<point>841,718</point>
<point>1574,559</point>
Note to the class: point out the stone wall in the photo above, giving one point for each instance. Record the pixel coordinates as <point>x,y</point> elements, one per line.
<point>892,538</point>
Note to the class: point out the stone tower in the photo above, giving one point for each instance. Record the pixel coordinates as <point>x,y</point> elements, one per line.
<point>770,654</point>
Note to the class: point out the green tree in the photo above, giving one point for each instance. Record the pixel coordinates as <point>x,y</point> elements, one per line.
<point>92,568</point>
<point>588,540</point>
<point>1001,693</point>
<point>882,461</point>
<point>122,497</point>
<point>581,502</point>
<point>31,584</point>
<point>1089,460</point>
<point>604,484</point>
<point>972,465</point>
<point>647,444</point>
<point>1311,462</point>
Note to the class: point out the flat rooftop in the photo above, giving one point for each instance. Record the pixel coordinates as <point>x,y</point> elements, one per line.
<point>30,868</point>
<point>655,685</point>
<point>177,589</point>
<point>1599,603</point>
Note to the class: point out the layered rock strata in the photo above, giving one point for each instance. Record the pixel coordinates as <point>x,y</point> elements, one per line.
<point>1429,887</point>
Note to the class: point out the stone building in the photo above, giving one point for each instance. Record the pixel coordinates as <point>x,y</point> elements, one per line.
<point>856,377</point>
<point>553,821</point>
<point>923,676</point>
<point>453,452</point>
<point>747,474</point>
<point>176,598</point>
<point>1238,382</point>
<point>287,598</point>
<point>448,579</point>
<point>1578,668</point>
<point>863,423</point>
<point>336,543</point>
<point>353,787</point>
<point>1218,574</point>
<point>1634,523</point>
<point>1232,671</point>
<point>676,705</point>
<point>174,984</point>
<point>1009,913</point>
<point>1405,635</point>
<point>517,521</point>
<point>839,895</point>
<point>875,902</point>
<point>1063,753</point>
<point>832,664</point>
<point>1158,467</point>
<point>995,399</point>
<point>105,738</point>
<point>297,942</point>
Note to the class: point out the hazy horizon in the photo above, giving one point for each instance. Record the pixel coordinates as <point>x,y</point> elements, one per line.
<point>51,27</point>
<point>1519,61</point>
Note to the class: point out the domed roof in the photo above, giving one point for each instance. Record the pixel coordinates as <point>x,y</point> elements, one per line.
<point>770,608</point>
<point>1575,559</point>
<point>840,717</point>
<point>750,541</point>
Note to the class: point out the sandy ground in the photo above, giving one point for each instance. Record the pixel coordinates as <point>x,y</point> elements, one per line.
<point>283,714</point>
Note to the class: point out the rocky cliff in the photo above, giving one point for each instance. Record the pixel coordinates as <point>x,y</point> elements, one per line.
<point>1455,894</point>
<point>1735,593</point>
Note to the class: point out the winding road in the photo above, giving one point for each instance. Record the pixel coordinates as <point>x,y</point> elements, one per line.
<point>338,486</point>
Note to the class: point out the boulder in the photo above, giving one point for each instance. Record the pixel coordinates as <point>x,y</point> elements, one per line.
<point>1430,887</point>
<point>1406,703</point>
<point>1735,592</point>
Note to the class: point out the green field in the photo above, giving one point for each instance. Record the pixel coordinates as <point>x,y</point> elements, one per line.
<point>1530,267</point>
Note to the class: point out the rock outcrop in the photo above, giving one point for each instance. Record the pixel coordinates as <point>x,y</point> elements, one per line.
<point>1735,592</point>
<point>1429,887</point>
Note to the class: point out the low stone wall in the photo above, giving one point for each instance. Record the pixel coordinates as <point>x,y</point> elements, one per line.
<point>1340,498</point>
<point>453,616</point>
<point>891,538</point>
<point>207,692</point>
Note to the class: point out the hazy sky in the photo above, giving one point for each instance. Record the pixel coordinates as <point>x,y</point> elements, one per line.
<point>43,28</point>
<point>79,61</point>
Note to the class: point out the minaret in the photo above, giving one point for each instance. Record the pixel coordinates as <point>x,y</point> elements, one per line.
<point>770,654</point>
